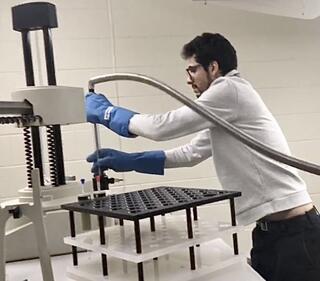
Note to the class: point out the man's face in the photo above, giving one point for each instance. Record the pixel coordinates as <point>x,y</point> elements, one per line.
<point>198,77</point>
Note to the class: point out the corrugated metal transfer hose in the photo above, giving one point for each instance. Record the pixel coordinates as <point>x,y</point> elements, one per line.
<point>216,120</point>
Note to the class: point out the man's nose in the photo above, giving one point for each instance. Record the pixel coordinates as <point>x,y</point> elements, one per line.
<point>189,80</point>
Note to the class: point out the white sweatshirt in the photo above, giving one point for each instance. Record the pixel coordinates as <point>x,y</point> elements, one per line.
<point>267,186</point>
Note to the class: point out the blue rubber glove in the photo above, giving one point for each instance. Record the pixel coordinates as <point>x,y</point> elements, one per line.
<point>100,110</point>
<point>149,162</point>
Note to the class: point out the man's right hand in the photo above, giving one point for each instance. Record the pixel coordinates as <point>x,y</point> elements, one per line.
<point>100,110</point>
<point>96,105</point>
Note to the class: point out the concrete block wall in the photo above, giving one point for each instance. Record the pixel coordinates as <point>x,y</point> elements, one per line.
<point>280,56</point>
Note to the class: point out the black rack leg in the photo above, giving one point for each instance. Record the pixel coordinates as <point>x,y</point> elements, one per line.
<point>190,236</point>
<point>152,224</point>
<point>195,213</point>
<point>138,248</point>
<point>103,242</point>
<point>234,223</point>
<point>153,229</point>
<point>195,218</point>
<point>73,234</point>
<point>121,222</point>
<point>140,271</point>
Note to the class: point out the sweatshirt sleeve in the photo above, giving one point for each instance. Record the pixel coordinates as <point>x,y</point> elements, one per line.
<point>220,98</point>
<point>191,154</point>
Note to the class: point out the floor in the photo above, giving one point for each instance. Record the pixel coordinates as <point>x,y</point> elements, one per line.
<point>30,269</point>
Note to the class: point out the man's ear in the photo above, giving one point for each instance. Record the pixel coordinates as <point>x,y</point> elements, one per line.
<point>215,66</point>
<point>214,69</point>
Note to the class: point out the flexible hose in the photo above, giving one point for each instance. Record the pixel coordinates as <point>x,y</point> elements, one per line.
<point>229,128</point>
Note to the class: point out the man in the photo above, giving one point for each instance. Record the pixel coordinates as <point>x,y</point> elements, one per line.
<point>286,240</point>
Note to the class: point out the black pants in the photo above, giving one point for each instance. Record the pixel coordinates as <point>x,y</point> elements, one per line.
<point>288,250</point>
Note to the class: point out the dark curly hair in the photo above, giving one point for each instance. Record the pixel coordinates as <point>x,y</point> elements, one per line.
<point>209,47</point>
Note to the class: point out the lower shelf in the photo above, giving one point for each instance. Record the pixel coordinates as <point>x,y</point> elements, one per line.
<point>170,236</point>
<point>215,262</point>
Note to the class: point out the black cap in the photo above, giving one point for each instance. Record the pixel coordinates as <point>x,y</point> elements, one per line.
<point>34,16</point>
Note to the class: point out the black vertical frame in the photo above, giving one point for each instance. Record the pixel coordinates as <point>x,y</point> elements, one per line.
<point>29,73</point>
<point>51,76</point>
<point>29,17</point>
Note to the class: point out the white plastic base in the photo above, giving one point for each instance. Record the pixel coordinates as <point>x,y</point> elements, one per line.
<point>215,262</point>
<point>170,236</point>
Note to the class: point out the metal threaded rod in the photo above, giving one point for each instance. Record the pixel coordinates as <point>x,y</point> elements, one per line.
<point>28,154</point>
<point>229,128</point>
<point>52,156</point>
<point>27,138</point>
